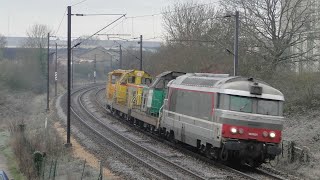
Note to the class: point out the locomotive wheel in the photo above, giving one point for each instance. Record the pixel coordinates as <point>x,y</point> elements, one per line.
<point>171,137</point>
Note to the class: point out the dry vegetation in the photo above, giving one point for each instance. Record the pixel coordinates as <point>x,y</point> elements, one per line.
<point>23,115</point>
<point>263,54</point>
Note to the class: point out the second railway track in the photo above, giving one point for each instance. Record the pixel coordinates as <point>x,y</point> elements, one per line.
<point>160,165</point>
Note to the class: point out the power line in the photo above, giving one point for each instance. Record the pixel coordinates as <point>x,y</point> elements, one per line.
<point>155,37</point>
<point>156,14</point>
<point>204,41</point>
<point>96,14</point>
<point>79,3</point>
<point>64,14</point>
<point>126,49</point>
<point>99,30</point>
<point>117,24</point>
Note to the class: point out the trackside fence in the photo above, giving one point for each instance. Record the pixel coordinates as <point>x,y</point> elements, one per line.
<point>293,154</point>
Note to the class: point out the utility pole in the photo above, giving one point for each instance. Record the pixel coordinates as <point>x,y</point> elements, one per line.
<point>56,72</point>
<point>94,68</point>
<point>111,63</point>
<point>48,72</point>
<point>236,44</point>
<point>120,51</point>
<point>68,144</point>
<point>141,52</point>
<point>71,68</point>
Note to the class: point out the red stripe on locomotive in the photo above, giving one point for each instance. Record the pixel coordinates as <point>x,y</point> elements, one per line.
<point>251,133</point>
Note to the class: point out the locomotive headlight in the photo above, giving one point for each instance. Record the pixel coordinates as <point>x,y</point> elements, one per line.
<point>272,134</point>
<point>233,130</point>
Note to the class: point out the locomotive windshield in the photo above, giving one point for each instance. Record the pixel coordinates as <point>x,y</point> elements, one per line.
<point>242,104</point>
<point>250,105</point>
<point>115,78</point>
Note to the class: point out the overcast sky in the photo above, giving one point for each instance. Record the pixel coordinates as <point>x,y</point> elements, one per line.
<point>16,16</point>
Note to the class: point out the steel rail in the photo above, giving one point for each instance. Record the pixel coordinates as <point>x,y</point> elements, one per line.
<point>165,174</point>
<point>112,142</point>
<point>192,153</point>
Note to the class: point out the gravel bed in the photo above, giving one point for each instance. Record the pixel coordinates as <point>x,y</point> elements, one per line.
<point>193,164</point>
<point>121,165</point>
<point>142,153</point>
<point>128,168</point>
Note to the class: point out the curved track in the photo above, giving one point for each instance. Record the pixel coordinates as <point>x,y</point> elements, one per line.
<point>162,166</point>
<point>149,163</point>
<point>245,172</point>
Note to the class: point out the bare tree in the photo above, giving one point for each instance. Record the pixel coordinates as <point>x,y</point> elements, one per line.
<point>37,36</point>
<point>3,43</point>
<point>187,20</point>
<point>196,39</point>
<point>274,31</point>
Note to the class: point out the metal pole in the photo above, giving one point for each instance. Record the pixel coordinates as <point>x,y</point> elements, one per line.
<point>236,44</point>
<point>69,79</point>
<point>94,68</point>
<point>72,65</point>
<point>120,57</point>
<point>111,64</point>
<point>56,72</point>
<point>48,73</point>
<point>141,52</point>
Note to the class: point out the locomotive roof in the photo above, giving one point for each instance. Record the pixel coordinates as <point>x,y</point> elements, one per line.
<point>122,71</point>
<point>224,83</point>
<point>171,73</point>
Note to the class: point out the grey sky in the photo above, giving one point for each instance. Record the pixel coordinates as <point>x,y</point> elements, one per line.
<point>16,16</point>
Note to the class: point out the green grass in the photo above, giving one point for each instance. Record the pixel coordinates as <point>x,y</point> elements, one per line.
<point>7,152</point>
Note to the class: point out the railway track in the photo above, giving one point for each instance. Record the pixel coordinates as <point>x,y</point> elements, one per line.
<point>159,166</point>
<point>245,172</point>
<point>162,166</point>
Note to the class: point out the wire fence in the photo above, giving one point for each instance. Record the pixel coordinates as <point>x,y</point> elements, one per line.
<point>43,165</point>
<point>52,169</point>
<point>293,154</point>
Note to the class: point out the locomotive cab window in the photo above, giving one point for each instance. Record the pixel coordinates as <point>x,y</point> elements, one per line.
<point>241,104</point>
<point>132,79</point>
<point>160,84</point>
<point>115,78</point>
<point>250,105</point>
<point>268,107</point>
<point>146,81</point>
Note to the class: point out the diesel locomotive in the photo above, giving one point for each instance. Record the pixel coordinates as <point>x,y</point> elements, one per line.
<point>228,118</point>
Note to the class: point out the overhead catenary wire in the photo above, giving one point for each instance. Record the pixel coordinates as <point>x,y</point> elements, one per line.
<point>97,14</point>
<point>64,15</point>
<point>168,12</point>
<point>99,31</point>
<point>203,41</point>
<point>78,3</point>
<point>125,48</point>
<point>156,14</point>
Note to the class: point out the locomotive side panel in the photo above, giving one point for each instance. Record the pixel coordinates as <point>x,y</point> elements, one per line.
<point>190,115</point>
